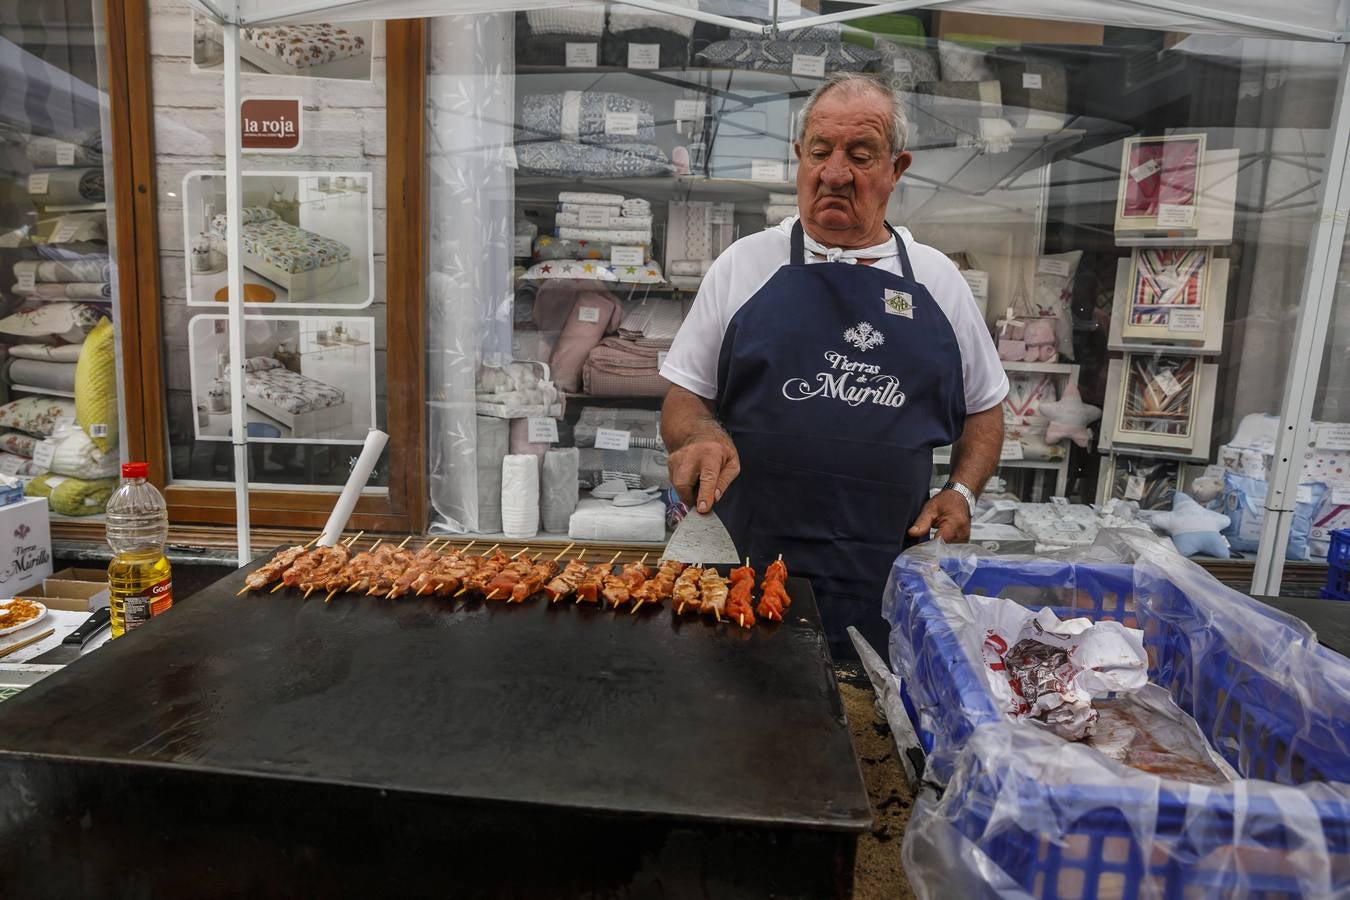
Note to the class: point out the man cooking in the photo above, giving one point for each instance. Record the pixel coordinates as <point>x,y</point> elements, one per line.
<point>822,361</point>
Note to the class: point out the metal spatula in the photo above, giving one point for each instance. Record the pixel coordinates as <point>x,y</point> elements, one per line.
<point>702,538</point>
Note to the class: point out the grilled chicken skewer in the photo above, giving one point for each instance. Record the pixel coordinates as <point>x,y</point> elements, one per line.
<point>712,589</point>
<point>534,580</point>
<point>657,588</point>
<point>619,588</point>
<point>422,560</point>
<point>270,571</point>
<point>591,585</point>
<point>685,594</point>
<point>504,582</point>
<point>773,596</point>
<point>565,583</point>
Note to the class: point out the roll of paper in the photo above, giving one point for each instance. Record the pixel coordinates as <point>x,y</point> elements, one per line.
<point>365,464</point>
<point>520,495</point>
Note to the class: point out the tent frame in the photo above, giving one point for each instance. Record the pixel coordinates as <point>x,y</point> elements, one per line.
<point>1316,300</point>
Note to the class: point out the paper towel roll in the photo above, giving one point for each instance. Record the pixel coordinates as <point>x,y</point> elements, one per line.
<point>558,493</point>
<point>492,442</point>
<point>520,495</point>
<point>346,502</point>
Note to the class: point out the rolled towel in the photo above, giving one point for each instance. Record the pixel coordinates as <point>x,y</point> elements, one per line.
<point>558,495</point>
<point>520,495</point>
<point>89,269</point>
<point>493,436</point>
<point>637,206</point>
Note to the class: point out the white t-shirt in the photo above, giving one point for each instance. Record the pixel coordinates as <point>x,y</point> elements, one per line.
<point>744,268</point>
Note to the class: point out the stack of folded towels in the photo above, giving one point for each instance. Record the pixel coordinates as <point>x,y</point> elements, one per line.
<point>588,226</point>
<point>628,364</point>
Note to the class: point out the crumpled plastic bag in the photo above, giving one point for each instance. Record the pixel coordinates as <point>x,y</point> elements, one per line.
<point>1047,669</point>
<point>1146,730</point>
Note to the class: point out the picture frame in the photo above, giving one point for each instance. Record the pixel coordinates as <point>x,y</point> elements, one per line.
<point>1160,401</point>
<point>1160,184</point>
<point>1168,294</point>
<point>1183,336</point>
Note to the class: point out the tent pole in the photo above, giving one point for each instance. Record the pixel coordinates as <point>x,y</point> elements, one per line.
<point>1309,345</point>
<point>234,202</point>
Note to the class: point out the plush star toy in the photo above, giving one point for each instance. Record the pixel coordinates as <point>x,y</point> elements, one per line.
<point>1069,417</point>
<point>1194,529</point>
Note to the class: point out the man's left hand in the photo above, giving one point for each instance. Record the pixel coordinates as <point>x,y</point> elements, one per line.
<point>948,512</point>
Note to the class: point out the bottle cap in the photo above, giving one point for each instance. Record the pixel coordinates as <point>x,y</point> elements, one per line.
<point>135,470</point>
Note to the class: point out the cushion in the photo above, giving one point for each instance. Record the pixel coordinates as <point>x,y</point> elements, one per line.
<point>581,269</point>
<point>96,409</point>
<point>66,353</point>
<point>17,443</point>
<point>69,322</point>
<point>36,415</point>
<point>908,65</point>
<point>261,363</point>
<point>548,247</point>
<point>72,496</point>
<point>650,273</point>
<point>19,466</point>
<point>1069,417</point>
<point>1194,529</point>
<point>593,314</point>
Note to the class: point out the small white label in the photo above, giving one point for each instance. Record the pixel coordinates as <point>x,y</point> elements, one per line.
<point>522,245</point>
<point>978,281</point>
<point>542,430</point>
<point>690,110</point>
<point>43,453</point>
<point>1333,437</point>
<point>581,55</point>
<point>1167,382</point>
<point>611,439</point>
<point>509,158</point>
<point>644,56</point>
<point>1341,495</point>
<point>808,64</point>
<point>65,155</point>
<point>1134,487</point>
<point>25,281</point>
<point>661,359</point>
<point>64,233</point>
<point>593,217</point>
<point>621,123</point>
<point>1186,320</point>
<point>1006,505</point>
<point>62,423</point>
<point>37,183</point>
<point>11,465</point>
<point>626,256</point>
<point>1012,449</point>
<point>902,65</point>
<point>1145,169</point>
<point>98,430</point>
<point>1052,266</point>
<point>766,170</point>
<point>721,213</point>
<point>1031,81</point>
<point>1175,215</point>
<point>1305,494</point>
<point>588,314</point>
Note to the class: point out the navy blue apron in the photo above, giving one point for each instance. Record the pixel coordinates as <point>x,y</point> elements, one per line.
<point>835,381</point>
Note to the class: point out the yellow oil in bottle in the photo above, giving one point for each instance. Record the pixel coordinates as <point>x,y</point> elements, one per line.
<point>141,587</point>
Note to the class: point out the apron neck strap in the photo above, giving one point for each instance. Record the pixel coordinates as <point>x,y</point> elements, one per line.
<point>798,256</point>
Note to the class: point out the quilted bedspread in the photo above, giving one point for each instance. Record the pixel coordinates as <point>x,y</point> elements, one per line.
<point>283,245</point>
<point>291,391</point>
<point>306,45</point>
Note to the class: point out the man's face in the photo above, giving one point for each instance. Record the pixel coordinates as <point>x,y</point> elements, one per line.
<point>846,172</point>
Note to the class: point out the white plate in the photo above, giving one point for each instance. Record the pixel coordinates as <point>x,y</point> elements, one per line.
<point>42,614</point>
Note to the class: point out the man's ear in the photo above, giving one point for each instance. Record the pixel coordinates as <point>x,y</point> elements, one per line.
<point>902,162</point>
<point>797,150</point>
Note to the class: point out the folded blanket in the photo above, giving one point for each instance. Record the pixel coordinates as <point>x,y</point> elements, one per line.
<point>65,353</point>
<point>86,268</point>
<point>549,247</point>
<point>621,237</point>
<point>616,223</point>
<point>585,116</point>
<point>75,455</point>
<point>653,322</point>
<point>601,520</point>
<point>72,187</point>
<point>53,376</point>
<point>643,426</point>
<point>621,368</point>
<point>573,160</point>
<point>73,228</point>
<point>72,496</point>
<point>695,267</point>
<point>85,149</point>
<point>14,465</point>
<point>592,198</point>
<point>67,290</point>
<point>672,47</point>
<point>637,467</point>
<point>775,213</point>
<point>637,206</point>
<point>549,49</point>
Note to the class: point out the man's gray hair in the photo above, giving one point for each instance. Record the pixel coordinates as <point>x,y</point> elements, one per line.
<point>854,82</point>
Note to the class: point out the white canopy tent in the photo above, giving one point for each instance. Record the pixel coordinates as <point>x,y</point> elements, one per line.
<point>1313,20</point>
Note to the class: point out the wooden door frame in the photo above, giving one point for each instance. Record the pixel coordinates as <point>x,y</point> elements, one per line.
<point>140,326</point>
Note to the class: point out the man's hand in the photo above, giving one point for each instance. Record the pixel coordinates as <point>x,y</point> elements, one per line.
<point>703,467</point>
<point>948,512</point>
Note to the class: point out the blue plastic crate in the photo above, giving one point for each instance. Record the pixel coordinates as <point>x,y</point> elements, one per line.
<point>1262,726</point>
<point>1338,566</point>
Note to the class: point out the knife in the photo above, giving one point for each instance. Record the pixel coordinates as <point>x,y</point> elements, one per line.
<point>701,538</point>
<point>73,643</point>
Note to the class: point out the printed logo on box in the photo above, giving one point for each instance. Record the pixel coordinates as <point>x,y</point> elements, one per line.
<point>270,124</point>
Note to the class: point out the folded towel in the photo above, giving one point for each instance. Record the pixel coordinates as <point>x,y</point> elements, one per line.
<point>88,269</point>
<point>601,520</point>
<point>643,426</point>
<point>696,267</point>
<point>72,496</point>
<point>591,198</point>
<point>671,48</point>
<point>66,290</point>
<point>637,206</point>
<point>34,373</point>
<point>619,368</point>
<point>655,321</point>
<point>558,490</point>
<point>585,116</point>
<point>572,218</point>
<point>588,21</point>
<point>635,237</point>
<point>72,187</point>
<point>627,18</point>
<point>85,148</point>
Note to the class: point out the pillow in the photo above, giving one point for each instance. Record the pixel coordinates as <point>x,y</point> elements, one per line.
<point>548,247</point>
<point>18,466</point>
<point>66,353</point>
<point>1244,501</point>
<point>96,408</point>
<point>261,363</point>
<point>573,160</point>
<point>645,274</point>
<point>36,415</point>
<point>597,270</point>
<point>251,215</point>
<point>76,455</point>
<point>72,496</point>
<point>1069,417</point>
<point>1194,529</point>
<point>69,322</point>
<point>18,443</point>
<point>592,315</point>
<point>908,65</point>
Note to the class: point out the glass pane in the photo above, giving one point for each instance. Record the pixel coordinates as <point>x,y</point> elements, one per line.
<point>58,282</point>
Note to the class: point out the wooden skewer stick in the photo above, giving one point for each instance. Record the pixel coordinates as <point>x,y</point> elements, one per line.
<point>378,542</point>
<point>312,540</point>
<point>564,551</point>
<point>308,592</point>
<point>644,558</point>
<point>636,607</point>
<point>520,551</point>
<point>280,585</point>
<point>740,619</point>
<point>679,610</point>
<point>353,539</point>
<point>329,598</point>
<point>488,551</point>
<point>581,553</point>
<point>405,541</point>
<point>780,557</point>
<point>493,595</point>
<point>460,591</point>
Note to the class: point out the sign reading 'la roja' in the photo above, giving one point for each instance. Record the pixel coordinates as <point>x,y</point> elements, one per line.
<point>270,124</point>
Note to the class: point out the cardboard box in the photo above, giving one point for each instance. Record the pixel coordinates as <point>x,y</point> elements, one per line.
<point>72,589</point>
<point>1016,28</point>
<point>25,545</point>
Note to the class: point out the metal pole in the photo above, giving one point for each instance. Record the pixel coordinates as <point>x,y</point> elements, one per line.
<point>234,202</point>
<point>1305,359</point>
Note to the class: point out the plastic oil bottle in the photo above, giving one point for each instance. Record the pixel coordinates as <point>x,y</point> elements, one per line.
<point>138,525</point>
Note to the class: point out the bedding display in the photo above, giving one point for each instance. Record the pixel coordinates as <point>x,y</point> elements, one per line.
<point>89,269</point>
<point>590,117</point>
<point>71,186</point>
<point>611,160</point>
<point>305,46</point>
<point>82,149</point>
<point>777,55</point>
<point>291,249</point>
<point>266,379</point>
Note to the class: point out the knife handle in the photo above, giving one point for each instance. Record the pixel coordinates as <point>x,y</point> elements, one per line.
<point>91,626</point>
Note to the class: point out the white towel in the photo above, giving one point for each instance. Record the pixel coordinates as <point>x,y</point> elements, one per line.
<point>520,495</point>
<point>600,520</point>
<point>591,198</point>
<point>558,496</point>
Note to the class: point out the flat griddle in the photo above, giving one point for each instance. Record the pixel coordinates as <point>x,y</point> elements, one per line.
<point>625,754</point>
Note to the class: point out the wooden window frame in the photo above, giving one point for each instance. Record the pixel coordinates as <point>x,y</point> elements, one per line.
<point>403,509</point>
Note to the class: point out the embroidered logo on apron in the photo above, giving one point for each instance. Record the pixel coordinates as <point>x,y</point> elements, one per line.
<point>899,303</point>
<point>864,336</point>
<point>851,382</point>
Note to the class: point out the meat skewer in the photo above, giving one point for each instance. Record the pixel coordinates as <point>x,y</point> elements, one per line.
<point>422,560</point>
<point>533,580</point>
<point>712,590</point>
<point>437,577</point>
<point>344,579</point>
<point>774,599</point>
<point>589,589</point>
<point>619,589</point>
<point>332,564</point>
<point>505,581</point>
<point>486,571</point>
<point>738,598</point>
<point>270,571</point>
<point>685,593</point>
<point>479,561</point>
<point>382,576</point>
<point>657,588</point>
<point>304,567</point>
<point>565,583</point>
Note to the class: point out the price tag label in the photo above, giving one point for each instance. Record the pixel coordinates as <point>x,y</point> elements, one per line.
<point>1333,437</point>
<point>1031,81</point>
<point>580,56</point>
<point>1167,382</point>
<point>38,182</point>
<point>1304,495</point>
<point>690,110</point>
<point>98,430</point>
<point>978,281</point>
<point>1145,169</point>
<point>43,453</point>
<point>1051,266</point>
<point>509,158</point>
<point>808,64</point>
<point>1006,505</point>
<point>593,217</point>
<point>25,280</point>
<point>65,155</point>
<point>543,430</point>
<point>1340,495</point>
<point>11,465</point>
<point>644,56</point>
<point>1012,449</point>
<point>721,213</point>
<point>661,359</point>
<point>1134,487</point>
<point>522,245</point>
<point>766,170</point>
<point>902,66</point>
<point>588,314</point>
<point>621,123</point>
<point>1186,320</point>
<point>611,439</point>
<point>626,256</point>
<point>64,233</point>
<point>1175,215</point>
<point>62,423</point>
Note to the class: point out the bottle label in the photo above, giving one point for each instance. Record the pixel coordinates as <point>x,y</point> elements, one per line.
<point>137,609</point>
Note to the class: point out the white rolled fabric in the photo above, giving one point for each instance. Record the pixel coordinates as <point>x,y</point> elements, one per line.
<point>356,481</point>
<point>520,495</point>
<point>558,495</point>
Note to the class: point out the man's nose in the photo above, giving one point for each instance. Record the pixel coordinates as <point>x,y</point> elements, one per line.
<point>836,173</point>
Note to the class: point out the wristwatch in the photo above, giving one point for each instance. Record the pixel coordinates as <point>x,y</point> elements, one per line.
<point>964,492</point>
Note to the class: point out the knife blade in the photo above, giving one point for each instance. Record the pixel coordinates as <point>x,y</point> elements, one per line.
<point>73,643</point>
<point>701,538</point>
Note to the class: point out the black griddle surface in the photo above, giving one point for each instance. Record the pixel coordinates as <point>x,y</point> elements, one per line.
<point>559,706</point>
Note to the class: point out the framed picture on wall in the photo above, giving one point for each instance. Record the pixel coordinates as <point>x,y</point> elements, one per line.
<point>1168,294</point>
<point>1161,400</point>
<point>1159,184</point>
